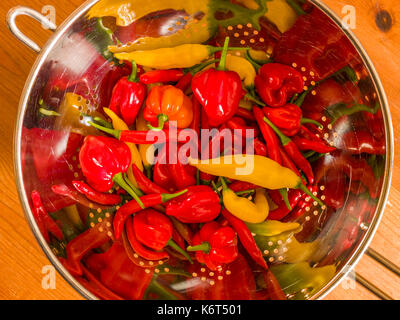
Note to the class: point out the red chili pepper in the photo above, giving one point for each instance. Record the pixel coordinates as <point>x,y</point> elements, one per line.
<point>45,223</point>
<point>276,83</point>
<point>361,141</point>
<point>145,184</point>
<point>282,210</point>
<point>128,97</point>
<point>246,238</point>
<point>196,123</point>
<point>219,91</point>
<point>245,114</point>
<point>133,207</point>
<point>215,245</point>
<point>274,289</point>
<point>314,145</point>
<point>301,207</point>
<point>155,230</point>
<point>181,176</point>
<point>200,204</point>
<point>334,182</point>
<point>269,136</point>
<point>162,76</point>
<point>375,124</point>
<point>161,172</point>
<point>288,163</point>
<point>184,230</point>
<point>185,82</point>
<point>260,148</point>
<point>239,186</point>
<point>316,44</point>
<point>102,198</point>
<point>293,152</point>
<point>104,161</point>
<point>239,126</point>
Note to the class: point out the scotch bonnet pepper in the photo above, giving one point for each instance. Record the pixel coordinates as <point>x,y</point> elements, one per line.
<point>276,83</point>
<point>215,245</point>
<point>200,204</point>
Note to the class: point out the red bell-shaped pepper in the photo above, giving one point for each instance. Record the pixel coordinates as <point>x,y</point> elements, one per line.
<point>315,45</point>
<point>286,118</point>
<point>276,83</point>
<point>200,204</point>
<point>128,97</point>
<point>104,161</point>
<point>219,91</point>
<point>155,230</point>
<point>215,245</point>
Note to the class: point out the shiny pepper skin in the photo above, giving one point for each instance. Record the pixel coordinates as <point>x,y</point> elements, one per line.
<point>152,228</point>
<point>200,204</point>
<point>221,243</point>
<point>101,158</point>
<point>286,118</point>
<point>219,92</point>
<point>276,83</point>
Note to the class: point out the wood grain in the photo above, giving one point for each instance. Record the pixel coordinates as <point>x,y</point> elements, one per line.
<point>22,260</point>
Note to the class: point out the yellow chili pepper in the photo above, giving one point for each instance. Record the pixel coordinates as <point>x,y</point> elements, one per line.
<point>302,281</point>
<point>119,124</point>
<point>243,208</point>
<point>144,149</point>
<point>254,169</point>
<point>183,56</point>
<point>242,67</point>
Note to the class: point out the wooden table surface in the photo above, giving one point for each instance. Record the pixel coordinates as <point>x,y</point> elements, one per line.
<point>22,260</point>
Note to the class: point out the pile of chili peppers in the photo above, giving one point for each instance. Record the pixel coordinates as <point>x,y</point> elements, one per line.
<point>136,226</point>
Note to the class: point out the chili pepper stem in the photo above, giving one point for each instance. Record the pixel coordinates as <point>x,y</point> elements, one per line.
<point>222,63</point>
<point>303,188</point>
<point>177,248</point>
<point>197,68</point>
<point>136,190</point>
<point>285,196</point>
<point>47,112</point>
<point>284,139</point>
<point>133,75</point>
<point>204,247</point>
<point>240,193</point>
<point>306,120</point>
<point>166,197</point>
<point>160,290</point>
<point>115,133</point>
<point>118,179</point>
<point>162,119</point>
<point>103,122</point>
<point>249,97</point>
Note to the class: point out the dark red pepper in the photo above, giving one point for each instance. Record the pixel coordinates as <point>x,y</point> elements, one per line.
<point>277,83</point>
<point>361,141</point>
<point>215,245</point>
<point>144,183</point>
<point>282,210</point>
<point>128,97</point>
<point>200,204</point>
<point>304,144</point>
<point>219,91</point>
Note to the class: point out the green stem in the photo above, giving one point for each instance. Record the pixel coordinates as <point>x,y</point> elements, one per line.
<point>115,133</point>
<point>148,172</point>
<point>300,100</point>
<point>204,247</point>
<point>162,119</point>
<point>339,110</point>
<point>223,182</point>
<point>118,179</point>
<point>255,100</point>
<point>198,177</point>
<point>133,76</point>
<point>306,120</point>
<point>222,63</point>
<point>284,139</point>
<point>197,68</point>
<point>285,196</point>
<point>136,190</point>
<point>215,188</point>
<point>162,292</point>
<point>299,11</point>
<point>50,113</point>
<point>309,154</point>
<point>241,193</point>
<point>103,122</point>
<point>169,196</point>
<point>303,188</point>
<point>177,248</point>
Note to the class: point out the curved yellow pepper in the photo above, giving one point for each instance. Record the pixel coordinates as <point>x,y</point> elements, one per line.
<point>242,67</point>
<point>119,124</point>
<point>144,149</point>
<point>183,56</point>
<point>245,209</point>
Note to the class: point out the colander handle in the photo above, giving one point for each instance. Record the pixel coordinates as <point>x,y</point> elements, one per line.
<point>25,11</point>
